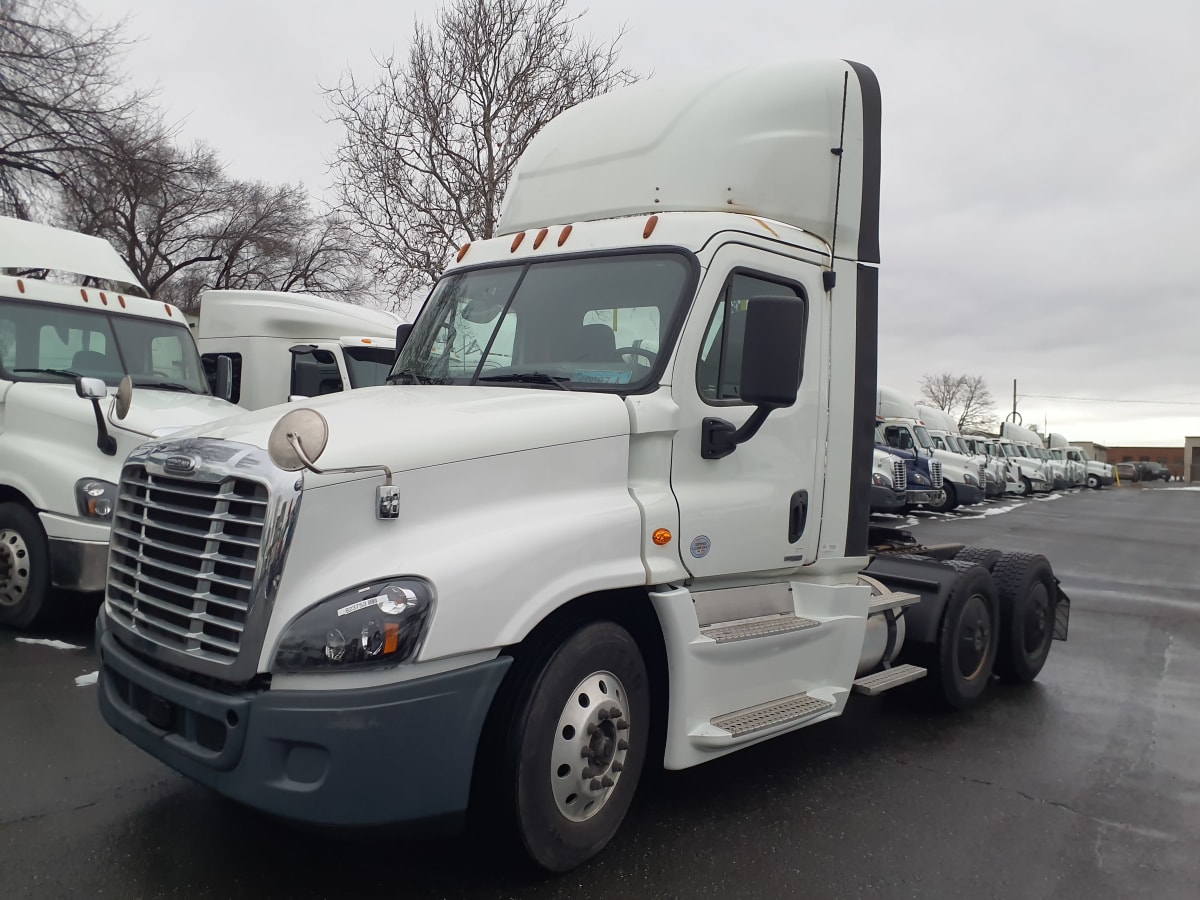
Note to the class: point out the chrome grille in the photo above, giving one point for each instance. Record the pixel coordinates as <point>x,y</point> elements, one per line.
<point>982,474</point>
<point>935,473</point>
<point>184,557</point>
<point>899,475</point>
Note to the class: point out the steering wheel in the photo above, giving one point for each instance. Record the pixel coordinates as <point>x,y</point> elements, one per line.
<point>649,355</point>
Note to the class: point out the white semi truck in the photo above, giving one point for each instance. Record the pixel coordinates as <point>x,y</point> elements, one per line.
<point>542,559</point>
<point>943,430</point>
<point>962,478</point>
<point>66,343</point>
<point>1020,445</point>
<point>1071,459</point>
<point>292,346</point>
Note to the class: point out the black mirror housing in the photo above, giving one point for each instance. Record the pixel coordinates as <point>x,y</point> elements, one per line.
<point>402,333</point>
<point>773,354</point>
<point>224,385</point>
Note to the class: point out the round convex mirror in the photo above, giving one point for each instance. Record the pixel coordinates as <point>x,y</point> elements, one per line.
<point>308,428</point>
<point>124,397</point>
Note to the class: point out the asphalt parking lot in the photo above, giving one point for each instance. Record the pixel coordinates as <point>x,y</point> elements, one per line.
<point>1083,785</point>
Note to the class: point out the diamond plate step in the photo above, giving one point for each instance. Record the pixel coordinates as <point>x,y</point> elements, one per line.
<point>781,712</point>
<point>892,600</point>
<point>754,628</point>
<point>888,679</point>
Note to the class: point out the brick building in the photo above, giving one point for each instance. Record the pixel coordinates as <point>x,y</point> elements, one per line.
<point>1171,457</point>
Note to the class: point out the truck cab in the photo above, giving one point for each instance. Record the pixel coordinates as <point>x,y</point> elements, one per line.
<point>922,476</point>
<point>904,429</point>
<point>292,346</point>
<point>1020,446</point>
<point>612,508</point>
<point>90,368</point>
<point>943,430</point>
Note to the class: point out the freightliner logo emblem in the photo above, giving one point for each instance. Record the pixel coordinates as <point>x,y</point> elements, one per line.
<point>180,465</point>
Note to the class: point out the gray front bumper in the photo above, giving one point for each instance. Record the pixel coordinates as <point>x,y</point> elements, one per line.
<point>78,565</point>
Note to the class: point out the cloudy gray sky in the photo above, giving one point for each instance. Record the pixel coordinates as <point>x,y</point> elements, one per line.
<point>1040,164</point>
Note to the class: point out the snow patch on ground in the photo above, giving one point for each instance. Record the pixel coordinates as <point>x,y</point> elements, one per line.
<point>45,642</point>
<point>85,680</point>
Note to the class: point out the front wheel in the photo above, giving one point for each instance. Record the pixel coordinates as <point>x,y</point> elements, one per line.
<point>24,567</point>
<point>949,501</point>
<point>1093,481</point>
<point>577,746</point>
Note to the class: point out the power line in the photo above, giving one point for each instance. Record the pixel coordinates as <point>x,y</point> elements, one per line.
<point>1111,400</point>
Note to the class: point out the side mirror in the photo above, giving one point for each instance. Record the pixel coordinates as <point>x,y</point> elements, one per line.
<point>772,363</point>
<point>773,351</point>
<point>91,388</point>
<point>402,333</point>
<point>95,390</point>
<point>224,386</point>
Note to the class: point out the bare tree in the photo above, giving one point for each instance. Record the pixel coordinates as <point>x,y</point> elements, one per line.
<point>431,145</point>
<point>966,397</point>
<point>59,95</point>
<point>182,226</point>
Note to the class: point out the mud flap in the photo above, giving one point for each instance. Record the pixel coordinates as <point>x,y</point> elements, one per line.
<point>1062,613</point>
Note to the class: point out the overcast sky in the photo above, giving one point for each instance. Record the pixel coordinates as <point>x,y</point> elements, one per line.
<point>1041,164</point>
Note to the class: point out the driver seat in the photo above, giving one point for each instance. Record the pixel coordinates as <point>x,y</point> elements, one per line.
<point>597,343</point>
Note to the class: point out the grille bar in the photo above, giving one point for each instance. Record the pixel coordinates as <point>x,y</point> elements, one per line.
<point>185,559</point>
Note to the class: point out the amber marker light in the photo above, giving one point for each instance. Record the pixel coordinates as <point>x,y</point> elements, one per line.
<point>649,229</point>
<point>541,236</point>
<point>167,307</point>
<point>462,251</point>
<point>517,242</point>
<point>566,233</point>
<point>83,294</point>
<point>20,285</point>
<point>662,536</point>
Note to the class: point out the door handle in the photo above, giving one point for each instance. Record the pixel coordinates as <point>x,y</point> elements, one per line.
<point>797,516</point>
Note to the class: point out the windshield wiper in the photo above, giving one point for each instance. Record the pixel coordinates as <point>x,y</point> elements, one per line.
<point>164,385</point>
<point>65,373</point>
<point>530,378</point>
<point>408,373</point>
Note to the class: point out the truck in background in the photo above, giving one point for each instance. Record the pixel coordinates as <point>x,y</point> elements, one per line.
<point>1073,462</point>
<point>292,346</point>
<point>922,475</point>
<point>943,429</point>
<point>1019,445</point>
<point>904,429</point>
<point>558,558</point>
<point>89,369</point>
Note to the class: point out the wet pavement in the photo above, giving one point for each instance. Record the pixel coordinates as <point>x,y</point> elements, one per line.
<point>1083,785</point>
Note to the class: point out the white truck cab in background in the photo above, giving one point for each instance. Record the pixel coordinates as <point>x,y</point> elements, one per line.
<point>65,344</point>
<point>1020,445</point>
<point>292,346</point>
<point>904,428</point>
<point>1076,466</point>
<point>943,429</point>
<point>612,508</point>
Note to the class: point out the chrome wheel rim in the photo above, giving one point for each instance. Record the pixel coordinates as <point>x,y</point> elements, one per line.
<point>14,568</point>
<point>590,746</point>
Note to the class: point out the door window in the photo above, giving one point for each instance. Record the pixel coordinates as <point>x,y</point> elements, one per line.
<point>719,372</point>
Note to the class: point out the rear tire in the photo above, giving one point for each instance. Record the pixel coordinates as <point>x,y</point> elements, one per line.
<point>1028,596</point>
<point>24,567</point>
<point>968,638</point>
<point>980,556</point>
<point>576,747</point>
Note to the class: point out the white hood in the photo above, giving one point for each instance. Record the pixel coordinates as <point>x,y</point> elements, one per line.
<point>160,413</point>
<point>413,426</point>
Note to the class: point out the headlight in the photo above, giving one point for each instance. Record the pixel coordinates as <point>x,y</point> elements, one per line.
<point>916,476</point>
<point>880,479</point>
<point>377,624</point>
<point>971,479</point>
<point>95,498</point>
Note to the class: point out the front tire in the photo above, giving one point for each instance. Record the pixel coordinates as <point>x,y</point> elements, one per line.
<point>577,747</point>
<point>1026,487</point>
<point>1093,481</point>
<point>1028,595</point>
<point>24,567</point>
<point>950,499</point>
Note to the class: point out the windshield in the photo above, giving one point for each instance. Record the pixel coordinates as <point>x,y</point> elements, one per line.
<point>589,323</point>
<point>53,343</point>
<point>923,437</point>
<point>368,366</point>
<point>879,438</point>
<point>1009,450</point>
